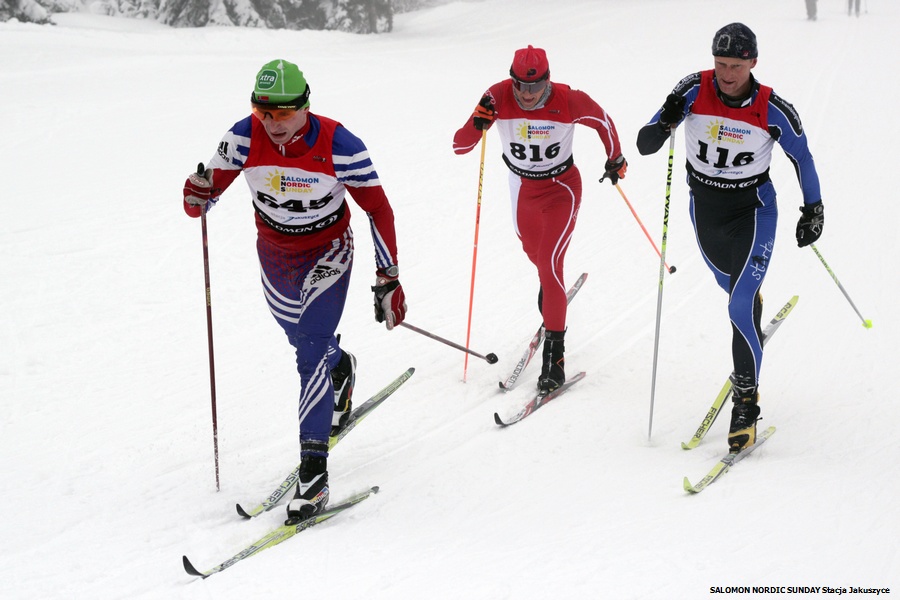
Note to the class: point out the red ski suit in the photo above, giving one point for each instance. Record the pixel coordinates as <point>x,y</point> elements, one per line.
<point>545,184</point>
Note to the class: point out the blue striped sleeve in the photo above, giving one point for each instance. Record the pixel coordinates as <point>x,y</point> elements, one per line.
<point>352,164</point>
<point>234,147</point>
<point>786,128</point>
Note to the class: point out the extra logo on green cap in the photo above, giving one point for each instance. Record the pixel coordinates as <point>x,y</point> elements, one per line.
<point>266,79</point>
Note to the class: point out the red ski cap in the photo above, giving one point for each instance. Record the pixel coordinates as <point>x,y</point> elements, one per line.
<point>529,65</point>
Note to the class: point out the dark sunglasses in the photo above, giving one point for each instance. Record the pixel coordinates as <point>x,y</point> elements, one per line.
<point>532,87</point>
<point>278,111</point>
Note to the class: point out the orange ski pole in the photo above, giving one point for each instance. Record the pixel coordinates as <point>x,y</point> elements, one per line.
<point>644,229</point>
<point>475,249</point>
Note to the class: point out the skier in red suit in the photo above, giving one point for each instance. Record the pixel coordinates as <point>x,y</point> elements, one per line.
<point>536,119</point>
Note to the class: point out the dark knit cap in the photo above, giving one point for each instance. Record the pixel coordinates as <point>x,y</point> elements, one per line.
<point>735,41</point>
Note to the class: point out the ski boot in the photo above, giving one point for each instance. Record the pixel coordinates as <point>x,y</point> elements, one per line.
<point>312,489</point>
<point>744,415</point>
<point>343,376</point>
<point>553,372</point>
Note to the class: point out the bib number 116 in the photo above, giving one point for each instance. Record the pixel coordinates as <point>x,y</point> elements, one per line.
<point>740,159</point>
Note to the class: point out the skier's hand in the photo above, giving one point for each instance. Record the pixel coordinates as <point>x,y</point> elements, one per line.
<point>615,169</point>
<point>198,188</point>
<point>484,114</point>
<point>390,301</point>
<point>809,227</point>
<point>672,111</point>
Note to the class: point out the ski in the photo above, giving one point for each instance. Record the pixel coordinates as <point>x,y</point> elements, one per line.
<point>535,342</point>
<point>278,535</point>
<point>716,407</point>
<point>538,401</point>
<point>363,411</point>
<point>726,463</point>
<point>356,415</point>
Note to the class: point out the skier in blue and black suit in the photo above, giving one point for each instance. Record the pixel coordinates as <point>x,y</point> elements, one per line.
<point>731,124</point>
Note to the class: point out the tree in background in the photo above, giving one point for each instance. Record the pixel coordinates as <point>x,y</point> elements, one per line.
<point>356,16</point>
<point>361,16</point>
<point>306,14</point>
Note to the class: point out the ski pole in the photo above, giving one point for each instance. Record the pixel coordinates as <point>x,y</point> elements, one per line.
<point>644,229</point>
<point>475,249</point>
<point>662,274</point>
<point>866,322</point>
<point>491,358</point>
<point>209,332</point>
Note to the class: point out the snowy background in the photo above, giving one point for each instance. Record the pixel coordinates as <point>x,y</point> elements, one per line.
<point>105,432</point>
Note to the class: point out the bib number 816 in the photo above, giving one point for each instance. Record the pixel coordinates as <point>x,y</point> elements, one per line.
<point>520,151</point>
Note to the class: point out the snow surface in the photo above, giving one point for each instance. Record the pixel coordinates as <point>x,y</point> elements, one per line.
<point>105,432</point>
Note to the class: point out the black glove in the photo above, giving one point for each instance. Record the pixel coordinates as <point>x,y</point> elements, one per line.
<point>809,227</point>
<point>390,301</point>
<point>615,169</point>
<point>484,113</point>
<point>672,111</point>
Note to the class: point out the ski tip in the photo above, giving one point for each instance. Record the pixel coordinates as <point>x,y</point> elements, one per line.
<point>242,512</point>
<point>190,569</point>
<point>686,446</point>
<point>688,486</point>
<point>499,421</point>
<point>375,489</point>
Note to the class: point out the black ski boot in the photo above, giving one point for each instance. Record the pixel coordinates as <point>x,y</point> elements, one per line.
<point>553,372</point>
<point>744,415</point>
<point>312,489</point>
<point>343,376</point>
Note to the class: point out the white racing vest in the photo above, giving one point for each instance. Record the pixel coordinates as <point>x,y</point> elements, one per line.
<point>728,148</point>
<point>296,195</point>
<point>536,148</point>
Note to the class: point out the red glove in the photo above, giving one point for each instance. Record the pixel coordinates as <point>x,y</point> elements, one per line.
<point>197,191</point>
<point>390,301</point>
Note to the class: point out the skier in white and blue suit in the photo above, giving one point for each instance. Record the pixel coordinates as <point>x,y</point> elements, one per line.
<point>300,168</point>
<point>731,124</point>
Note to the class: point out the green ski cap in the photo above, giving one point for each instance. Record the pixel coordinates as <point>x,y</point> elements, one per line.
<point>281,83</point>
